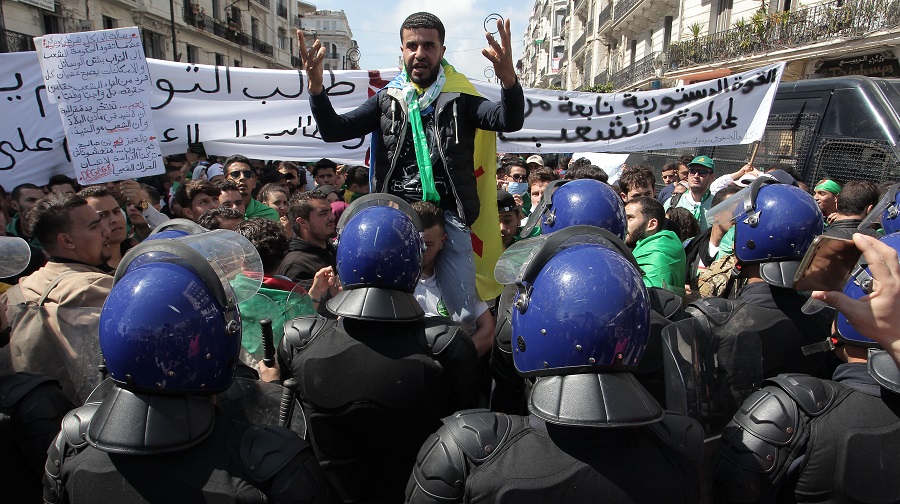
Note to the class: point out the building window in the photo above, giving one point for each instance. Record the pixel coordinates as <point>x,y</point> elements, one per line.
<point>193,53</point>
<point>720,15</point>
<point>217,9</point>
<point>667,33</point>
<point>633,51</point>
<point>220,59</point>
<point>254,27</point>
<point>282,39</point>
<point>154,44</point>
<point>110,23</point>
<point>235,16</point>
<point>237,63</point>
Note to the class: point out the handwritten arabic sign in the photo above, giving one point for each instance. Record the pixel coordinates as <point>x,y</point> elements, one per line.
<point>101,83</point>
<point>265,114</point>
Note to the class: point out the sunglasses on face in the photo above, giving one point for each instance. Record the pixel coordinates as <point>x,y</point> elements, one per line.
<point>702,173</point>
<point>289,176</point>
<point>237,174</point>
<point>519,178</point>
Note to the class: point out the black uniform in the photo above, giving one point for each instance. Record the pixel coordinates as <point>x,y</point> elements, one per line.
<point>151,448</point>
<point>802,439</point>
<point>738,343</point>
<point>32,406</point>
<point>372,392</point>
<point>574,448</point>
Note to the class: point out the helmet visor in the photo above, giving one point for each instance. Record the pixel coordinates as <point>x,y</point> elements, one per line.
<point>16,255</point>
<point>235,259</point>
<point>887,206</point>
<point>724,212</point>
<point>515,262</point>
<point>534,219</point>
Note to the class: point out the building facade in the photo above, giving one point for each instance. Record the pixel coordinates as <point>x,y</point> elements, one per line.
<point>332,28</point>
<point>646,44</point>
<point>246,33</point>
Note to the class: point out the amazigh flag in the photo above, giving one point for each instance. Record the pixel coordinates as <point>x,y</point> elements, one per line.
<point>486,243</point>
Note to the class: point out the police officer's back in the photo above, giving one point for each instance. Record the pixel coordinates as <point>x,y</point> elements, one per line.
<point>594,434</point>
<point>736,343</point>
<point>804,439</point>
<point>170,333</point>
<point>375,382</point>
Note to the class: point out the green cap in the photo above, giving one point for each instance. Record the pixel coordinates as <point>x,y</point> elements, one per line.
<point>705,161</point>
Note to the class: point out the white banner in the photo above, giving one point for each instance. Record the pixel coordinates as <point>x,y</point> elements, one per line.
<point>265,114</point>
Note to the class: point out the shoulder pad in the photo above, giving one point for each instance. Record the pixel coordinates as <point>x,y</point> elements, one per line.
<point>75,425</point>
<point>812,394</point>
<point>716,309</point>
<point>665,302</point>
<point>478,433</point>
<point>439,332</point>
<point>884,370</point>
<point>16,386</point>
<point>301,331</point>
<point>682,433</point>
<point>440,471</point>
<point>72,435</point>
<point>757,446</point>
<point>266,449</point>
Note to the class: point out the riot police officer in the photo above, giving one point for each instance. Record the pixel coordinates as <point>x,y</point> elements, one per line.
<point>581,322</point>
<point>735,343</point>
<point>804,439</point>
<point>566,204</point>
<point>170,334</point>
<point>375,382</point>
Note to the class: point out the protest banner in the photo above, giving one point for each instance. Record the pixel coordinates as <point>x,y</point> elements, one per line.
<point>100,82</point>
<point>265,114</point>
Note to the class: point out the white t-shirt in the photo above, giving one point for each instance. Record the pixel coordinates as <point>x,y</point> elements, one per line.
<point>429,297</point>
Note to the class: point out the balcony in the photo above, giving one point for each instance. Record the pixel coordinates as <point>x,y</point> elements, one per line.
<point>601,78</point>
<point>579,44</point>
<point>281,11</point>
<point>11,41</point>
<point>624,7</point>
<point>298,22</point>
<point>840,19</point>
<point>264,3</point>
<point>605,16</point>
<point>230,31</point>
<point>631,75</point>
<point>581,9</point>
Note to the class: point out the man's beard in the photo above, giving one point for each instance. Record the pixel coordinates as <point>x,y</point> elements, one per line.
<point>424,83</point>
<point>632,239</point>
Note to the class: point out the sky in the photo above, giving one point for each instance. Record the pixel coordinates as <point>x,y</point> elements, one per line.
<point>376,27</point>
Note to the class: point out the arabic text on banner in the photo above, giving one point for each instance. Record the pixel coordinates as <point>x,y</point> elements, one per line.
<point>265,114</point>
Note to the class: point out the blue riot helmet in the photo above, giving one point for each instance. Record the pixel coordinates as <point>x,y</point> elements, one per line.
<point>886,212</point>
<point>379,260</point>
<point>859,285</point>
<point>581,306</point>
<point>171,324</point>
<point>775,224</point>
<point>585,202</point>
<point>174,228</point>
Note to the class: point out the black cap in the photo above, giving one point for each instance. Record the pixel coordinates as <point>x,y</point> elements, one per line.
<point>505,202</point>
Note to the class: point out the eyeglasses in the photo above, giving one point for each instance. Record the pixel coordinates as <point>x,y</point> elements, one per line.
<point>289,176</point>
<point>702,173</point>
<point>519,178</point>
<point>237,174</point>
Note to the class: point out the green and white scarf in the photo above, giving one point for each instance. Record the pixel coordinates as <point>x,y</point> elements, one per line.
<point>416,105</point>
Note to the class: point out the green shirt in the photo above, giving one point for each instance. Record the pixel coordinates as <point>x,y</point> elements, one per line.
<point>698,210</point>
<point>257,209</point>
<point>661,257</point>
